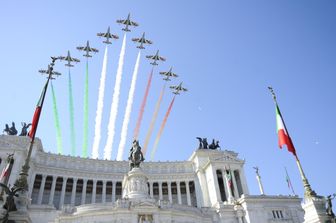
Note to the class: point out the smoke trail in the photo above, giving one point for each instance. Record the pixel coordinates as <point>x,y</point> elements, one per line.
<point>100,105</point>
<point>56,119</point>
<point>152,123</point>
<point>72,125</point>
<point>161,129</point>
<point>142,108</point>
<point>128,110</point>
<point>115,103</point>
<point>86,112</point>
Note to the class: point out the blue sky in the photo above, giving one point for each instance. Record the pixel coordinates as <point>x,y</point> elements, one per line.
<point>226,53</point>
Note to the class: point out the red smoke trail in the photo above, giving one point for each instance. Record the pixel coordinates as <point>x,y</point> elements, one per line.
<point>161,129</point>
<point>153,121</point>
<point>142,108</point>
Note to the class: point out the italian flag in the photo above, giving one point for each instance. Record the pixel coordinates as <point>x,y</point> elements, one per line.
<point>284,138</point>
<point>6,172</point>
<point>37,113</point>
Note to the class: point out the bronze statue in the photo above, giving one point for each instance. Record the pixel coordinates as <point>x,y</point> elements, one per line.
<point>10,203</point>
<point>10,131</point>
<point>329,205</point>
<point>203,143</point>
<point>24,130</point>
<point>135,155</point>
<point>214,145</point>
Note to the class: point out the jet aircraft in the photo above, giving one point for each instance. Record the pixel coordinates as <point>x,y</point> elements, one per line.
<point>155,57</point>
<point>69,59</point>
<point>127,22</point>
<point>108,36</point>
<point>178,88</point>
<point>87,49</point>
<point>52,72</point>
<point>168,74</point>
<point>142,41</point>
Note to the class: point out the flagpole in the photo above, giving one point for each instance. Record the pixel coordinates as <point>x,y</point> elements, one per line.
<point>308,190</point>
<point>22,181</point>
<point>289,182</point>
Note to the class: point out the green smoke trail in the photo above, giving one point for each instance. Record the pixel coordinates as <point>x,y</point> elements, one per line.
<point>57,124</point>
<point>86,112</point>
<point>72,125</point>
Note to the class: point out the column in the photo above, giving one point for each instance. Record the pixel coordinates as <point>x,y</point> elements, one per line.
<point>170,192</point>
<point>114,183</point>
<point>225,184</point>
<point>84,191</point>
<point>104,192</point>
<point>151,194</point>
<point>178,193</point>
<point>65,179</point>
<point>243,181</point>
<point>160,191</point>
<point>52,191</point>
<point>31,185</point>
<point>188,193</point>
<point>235,188</point>
<point>40,195</point>
<point>73,192</point>
<point>93,200</point>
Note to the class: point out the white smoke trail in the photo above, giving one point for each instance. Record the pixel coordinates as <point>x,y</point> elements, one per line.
<point>115,103</point>
<point>128,110</point>
<point>100,106</point>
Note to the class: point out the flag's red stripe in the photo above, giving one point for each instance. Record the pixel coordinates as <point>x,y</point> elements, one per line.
<point>35,121</point>
<point>286,140</point>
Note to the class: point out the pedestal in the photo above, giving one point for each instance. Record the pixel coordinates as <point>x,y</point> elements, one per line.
<point>135,185</point>
<point>315,210</point>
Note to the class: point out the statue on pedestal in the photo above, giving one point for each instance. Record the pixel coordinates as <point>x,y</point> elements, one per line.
<point>135,155</point>
<point>329,205</point>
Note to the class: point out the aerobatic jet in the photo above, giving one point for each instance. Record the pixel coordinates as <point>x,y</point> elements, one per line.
<point>87,49</point>
<point>127,22</point>
<point>168,74</point>
<point>108,36</point>
<point>142,41</point>
<point>178,88</point>
<point>155,57</point>
<point>69,59</point>
<point>52,72</point>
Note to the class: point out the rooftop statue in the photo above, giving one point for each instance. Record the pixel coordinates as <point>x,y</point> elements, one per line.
<point>214,145</point>
<point>329,205</point>
<point>24,130</point>
<point>10,131</point>
<point>203,143</point>
<point>135,155</point>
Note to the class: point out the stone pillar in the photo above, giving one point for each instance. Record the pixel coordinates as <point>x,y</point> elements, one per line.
<point>170,192</point>
<point>225,184</point>
<point>179,199</point>
<point>93,200</point>
<point>40,195</point>
<point>84,191</point>
<point>104,192</point>
<point>151,194</point>
<point>188,193</point>
<point>243,181</point>
<point>73,192</point>
<point>65,179</point>
<point>31,186</point>
<point>52,191</point>
<point>114,184</point>
<point>160,191</point>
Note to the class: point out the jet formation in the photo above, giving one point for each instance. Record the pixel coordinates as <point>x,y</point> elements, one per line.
<point>142,41</point>
<point>52,72</point>
<point>127,22</point>
<point>87,49</point>
<point>108,36</point>
<point>69,59</point>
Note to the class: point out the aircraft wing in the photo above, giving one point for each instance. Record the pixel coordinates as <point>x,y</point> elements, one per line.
<point>114,36</point>
<point>94,50</point>
<point>80,48</point>
<point>163,73</point>
<point>173,87</point>
<point>121,21</point>
<point>148,41</point>
<point>174,75</point>
<point>150,57</point>
<point>134,23</point>
<point>101,34</point>
<point>161,58</point>
<point>75,60</point>
<point>136,39</point>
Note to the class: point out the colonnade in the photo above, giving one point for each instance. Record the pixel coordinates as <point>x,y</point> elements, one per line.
<point>229,185</point>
